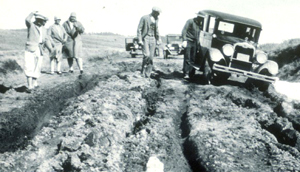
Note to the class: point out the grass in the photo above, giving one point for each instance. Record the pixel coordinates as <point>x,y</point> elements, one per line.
<point>95,47</point>
<point>9,66</point>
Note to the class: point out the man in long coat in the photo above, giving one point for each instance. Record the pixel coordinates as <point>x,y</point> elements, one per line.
<point>37,39</point>
<point>73,46</point>
<point>148,36</point>
<point>57,36</point>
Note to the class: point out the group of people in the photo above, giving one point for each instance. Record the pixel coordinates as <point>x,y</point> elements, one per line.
<point>60,40</point>
<point>148,35</point>
<point>65,40</point>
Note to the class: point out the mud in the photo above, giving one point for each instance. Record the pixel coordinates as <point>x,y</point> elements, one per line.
<point>115,120</point>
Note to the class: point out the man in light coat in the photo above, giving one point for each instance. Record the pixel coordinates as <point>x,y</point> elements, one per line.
<point>191,42</point>
<point>148,35</point>
<point>57,36</point>
<point>73,46</point>
<point>37,39</point>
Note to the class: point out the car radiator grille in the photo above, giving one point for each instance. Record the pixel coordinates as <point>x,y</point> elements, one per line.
<point>242,58</point>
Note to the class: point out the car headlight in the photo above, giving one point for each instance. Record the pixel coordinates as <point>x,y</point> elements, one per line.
<point>261,57</point>
<point>136,46</point>
<point>169,45</point>
<point>227,49</point>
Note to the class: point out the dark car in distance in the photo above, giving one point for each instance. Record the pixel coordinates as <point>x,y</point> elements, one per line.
<point>131,45</point>
<point>173,45</point>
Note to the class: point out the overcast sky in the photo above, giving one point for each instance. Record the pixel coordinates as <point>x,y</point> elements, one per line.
<point>279,18</point>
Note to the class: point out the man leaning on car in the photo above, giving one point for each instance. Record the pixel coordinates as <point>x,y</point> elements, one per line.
<point>190,37</point>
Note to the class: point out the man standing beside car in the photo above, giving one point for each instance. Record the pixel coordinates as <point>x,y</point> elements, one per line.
<point>191,43</point>
<point>148,36</point>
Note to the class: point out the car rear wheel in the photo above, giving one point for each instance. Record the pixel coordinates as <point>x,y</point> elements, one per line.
<point>165,54</point>
<point>192,73</point>
<point>207,73</point>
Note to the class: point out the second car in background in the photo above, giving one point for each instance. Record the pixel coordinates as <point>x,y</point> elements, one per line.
<point>173,45</point>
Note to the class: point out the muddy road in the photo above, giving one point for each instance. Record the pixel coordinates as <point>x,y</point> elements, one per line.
<point>112,119</point>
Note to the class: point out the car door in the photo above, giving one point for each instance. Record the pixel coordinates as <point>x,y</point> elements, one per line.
<point>206,34</point>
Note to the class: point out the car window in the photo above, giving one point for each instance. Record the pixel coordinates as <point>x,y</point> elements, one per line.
<point>211,24</point>
<point>226,27</point>
<point>174,38</point>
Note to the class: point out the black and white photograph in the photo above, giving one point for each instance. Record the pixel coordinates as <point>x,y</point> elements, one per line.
<point>149,86</point>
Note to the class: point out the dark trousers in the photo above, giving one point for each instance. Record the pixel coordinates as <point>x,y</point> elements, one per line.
<point>189,56</point>
<point>148,51</point>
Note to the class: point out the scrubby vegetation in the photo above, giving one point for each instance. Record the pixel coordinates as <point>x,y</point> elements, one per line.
<point>287,55</point>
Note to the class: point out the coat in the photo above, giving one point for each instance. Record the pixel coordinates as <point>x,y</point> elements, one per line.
<point>191,31</point>
<point>54,36</point>
<point>33,36</point>
<point>73,45</point>
<point>144,27</point>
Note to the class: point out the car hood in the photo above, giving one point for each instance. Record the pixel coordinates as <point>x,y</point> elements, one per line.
<point>176,42</point>
<point>233,40</point>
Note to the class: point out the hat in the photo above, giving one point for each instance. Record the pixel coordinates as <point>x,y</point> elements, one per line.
<point>57,18</point>
<point>73,14</point>
<point>39,16</point>
<point>157,9</point>
<point>200,13</point>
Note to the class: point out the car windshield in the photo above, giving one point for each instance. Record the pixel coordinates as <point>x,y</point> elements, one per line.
<point>171,39</point>
<point>238,30</point>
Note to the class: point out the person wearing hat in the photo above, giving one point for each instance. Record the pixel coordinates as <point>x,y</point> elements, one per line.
<point>58,37</point>
<point>148,36</point>
<point>191,43</point>
<point>37,40</point>
<point>73,46</point>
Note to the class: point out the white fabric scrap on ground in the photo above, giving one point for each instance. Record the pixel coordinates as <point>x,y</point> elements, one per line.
<point>154,165</point>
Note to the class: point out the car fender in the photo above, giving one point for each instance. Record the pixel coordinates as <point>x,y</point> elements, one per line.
<point>271,66</point>
<point>215,55</point>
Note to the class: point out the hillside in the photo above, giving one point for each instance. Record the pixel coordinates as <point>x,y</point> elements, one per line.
<point>287,55</point>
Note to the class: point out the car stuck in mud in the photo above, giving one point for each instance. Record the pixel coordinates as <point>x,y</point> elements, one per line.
<point>229,48</point>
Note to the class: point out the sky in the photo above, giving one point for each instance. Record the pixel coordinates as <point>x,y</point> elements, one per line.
<point>279,18</point>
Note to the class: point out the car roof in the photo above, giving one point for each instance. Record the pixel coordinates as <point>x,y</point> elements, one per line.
<point>232,18</point>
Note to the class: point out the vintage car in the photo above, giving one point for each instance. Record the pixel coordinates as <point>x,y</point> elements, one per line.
<point>131,45</point>
<point>229,48</point>
<point>173,45</point>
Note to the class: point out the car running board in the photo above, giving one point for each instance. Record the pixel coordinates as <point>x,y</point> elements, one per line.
<point>248,74</point>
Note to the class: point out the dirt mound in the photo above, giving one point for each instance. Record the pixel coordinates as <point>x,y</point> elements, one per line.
<point>115,120</point>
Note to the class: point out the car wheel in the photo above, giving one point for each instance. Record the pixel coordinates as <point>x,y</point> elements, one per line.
<point>192,73</point>
<point>156,52</point>
<point>260,85</point>
<point>219,78</point>
<point>207,73</point>
<point>165,54</point>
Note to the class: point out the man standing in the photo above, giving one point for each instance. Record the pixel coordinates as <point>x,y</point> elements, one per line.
<point>191,43</point>
<point>148,36</point>
<point>37,38</point>
<point>57,36</point>
<point>73,46</point>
